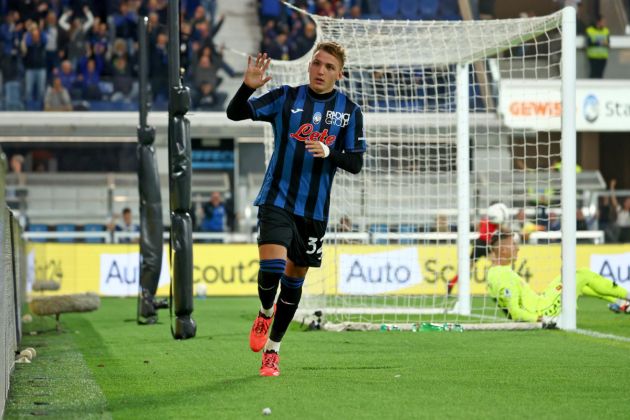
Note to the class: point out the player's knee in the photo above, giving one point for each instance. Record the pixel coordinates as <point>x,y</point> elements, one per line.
<point>270,273</point>
<point>296,271</point>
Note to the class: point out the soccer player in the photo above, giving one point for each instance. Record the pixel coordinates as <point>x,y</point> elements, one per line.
<point>520,302</point>
<point>317,130</point>
<point>497,215</point>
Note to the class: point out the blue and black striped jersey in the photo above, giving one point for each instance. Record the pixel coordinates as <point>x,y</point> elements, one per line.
<point>295,180</point>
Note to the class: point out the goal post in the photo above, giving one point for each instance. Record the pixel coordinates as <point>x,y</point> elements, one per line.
<point>569,303</point>
<point>463,188</point>
<point>458,115</point>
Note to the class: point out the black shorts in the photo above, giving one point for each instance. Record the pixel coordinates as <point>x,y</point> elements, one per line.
<point>480,249</point>
<point>303,238</point>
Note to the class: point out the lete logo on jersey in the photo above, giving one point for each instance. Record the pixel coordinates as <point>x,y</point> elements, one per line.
<point>307,132</point>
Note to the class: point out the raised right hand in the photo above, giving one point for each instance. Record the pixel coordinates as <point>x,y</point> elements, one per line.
<point>255,74</point>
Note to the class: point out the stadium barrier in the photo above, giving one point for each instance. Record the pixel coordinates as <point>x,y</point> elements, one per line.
<point>377,238</point>
<point>231,269</point>
<point>12,290</point>
<point>597,236</point>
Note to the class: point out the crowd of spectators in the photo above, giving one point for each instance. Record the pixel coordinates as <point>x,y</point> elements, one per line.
<point>287,34</point>
<point>82,54</point>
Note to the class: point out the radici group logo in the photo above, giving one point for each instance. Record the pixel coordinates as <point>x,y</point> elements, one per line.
<point>591,108</point>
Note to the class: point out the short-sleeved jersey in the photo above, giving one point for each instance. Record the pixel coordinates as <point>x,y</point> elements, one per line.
<point>295,180</point>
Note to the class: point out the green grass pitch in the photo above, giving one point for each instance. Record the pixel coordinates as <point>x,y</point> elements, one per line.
<point>105,366</point>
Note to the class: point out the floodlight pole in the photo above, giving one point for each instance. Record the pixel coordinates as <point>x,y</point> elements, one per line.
<point>180,176</point>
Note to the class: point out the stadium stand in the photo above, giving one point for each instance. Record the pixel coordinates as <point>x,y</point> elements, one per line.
<point>92,47</point>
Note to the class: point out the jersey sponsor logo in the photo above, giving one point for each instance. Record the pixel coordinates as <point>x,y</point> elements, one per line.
<point>296,110</point>
<point>337,118</point>
<point>307,132</point>
<point>317,117</point>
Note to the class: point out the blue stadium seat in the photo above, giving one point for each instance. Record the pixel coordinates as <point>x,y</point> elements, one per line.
<point>94,228</point>
<point>389,9</point>
<point>112,106</point>
<point>32,105</point>
<point>270,8</point>
<point>429,9</point>
<point>379,228</point>
<point>37,228</point>
<point>409,9</point>
<point>66,227</point>
<point>449,10</point>
<point>373,9</point>
<point>405,228</point>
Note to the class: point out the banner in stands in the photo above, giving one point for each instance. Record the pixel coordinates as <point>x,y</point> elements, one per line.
<point>601,105</point>
<point>232,270</point>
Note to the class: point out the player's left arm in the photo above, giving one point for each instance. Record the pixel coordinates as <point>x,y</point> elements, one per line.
<point>350,158</point>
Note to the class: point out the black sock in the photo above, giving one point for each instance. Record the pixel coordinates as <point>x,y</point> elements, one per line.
<point>290,294</point>
<point>268,279</point>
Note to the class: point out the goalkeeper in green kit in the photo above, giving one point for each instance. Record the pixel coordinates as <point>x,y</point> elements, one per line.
<point>521,303</point>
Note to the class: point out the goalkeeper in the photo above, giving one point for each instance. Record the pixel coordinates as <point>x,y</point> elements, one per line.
<point>496,216</point>
<point>520,302</point>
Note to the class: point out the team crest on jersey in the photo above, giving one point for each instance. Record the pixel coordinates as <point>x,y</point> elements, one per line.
<point>317,117</point>
<point>337,118</point>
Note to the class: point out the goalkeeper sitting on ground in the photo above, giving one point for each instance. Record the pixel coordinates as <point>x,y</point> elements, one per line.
<point>521,303</point>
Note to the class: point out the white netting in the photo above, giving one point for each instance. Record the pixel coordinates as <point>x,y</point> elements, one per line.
<point>404,202</point>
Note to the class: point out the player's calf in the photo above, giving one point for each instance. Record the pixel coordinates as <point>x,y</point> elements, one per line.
<point>288,301</point>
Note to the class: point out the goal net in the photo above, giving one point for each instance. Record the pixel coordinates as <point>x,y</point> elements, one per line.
<point>458,116</point>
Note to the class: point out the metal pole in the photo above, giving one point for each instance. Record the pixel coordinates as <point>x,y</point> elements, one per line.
<point>173,45</point>
<point>463,191</point>
<point>151,224</point>
<point>568,155</point>
<point>143,70</point>
<point>180,179</point>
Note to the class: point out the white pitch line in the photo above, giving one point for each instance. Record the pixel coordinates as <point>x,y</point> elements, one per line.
<point>602,335</point>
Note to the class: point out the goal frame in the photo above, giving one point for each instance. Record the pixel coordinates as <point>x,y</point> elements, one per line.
<point>568,195</point>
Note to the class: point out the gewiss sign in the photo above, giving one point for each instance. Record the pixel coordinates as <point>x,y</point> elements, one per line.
<point>601,105</point>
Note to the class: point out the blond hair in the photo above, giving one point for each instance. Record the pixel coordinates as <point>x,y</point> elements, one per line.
<point>334,49</point>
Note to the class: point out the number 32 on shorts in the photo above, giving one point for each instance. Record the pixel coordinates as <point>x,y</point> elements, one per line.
<point>315,246</point>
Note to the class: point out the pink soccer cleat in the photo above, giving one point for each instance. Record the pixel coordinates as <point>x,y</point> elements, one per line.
<point>270,361</point>
<point>259,332</point>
